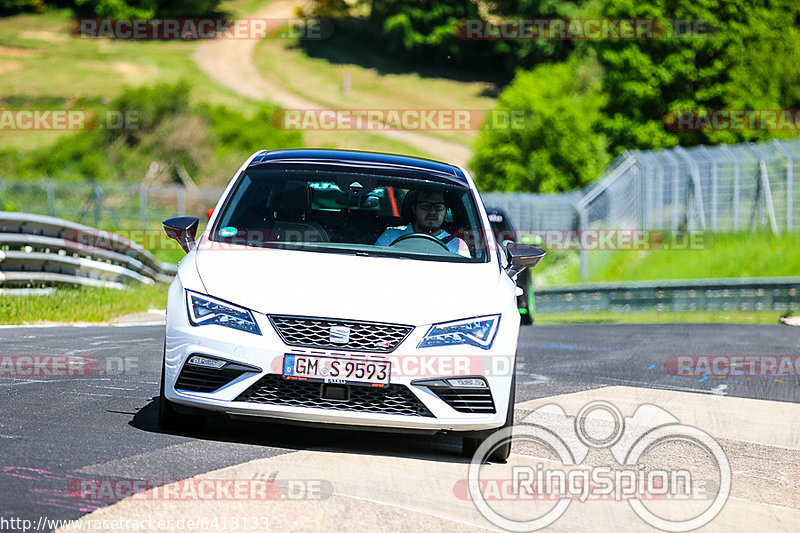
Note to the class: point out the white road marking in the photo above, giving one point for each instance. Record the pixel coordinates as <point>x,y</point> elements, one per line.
<point>107,387</point>
<point>719,389</point>
<point>97,325</point>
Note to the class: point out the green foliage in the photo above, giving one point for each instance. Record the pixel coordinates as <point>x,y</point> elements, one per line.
<point>527,53</point>
<point>748,62</point>
<point>332,9</point>
<point>118,8</point>
<point>11,7</point>
<point>151,105</point>
<point>558,146</point>
<point>159,125</point>
<point>426,31</point>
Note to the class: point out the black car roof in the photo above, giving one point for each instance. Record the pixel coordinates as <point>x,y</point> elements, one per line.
<point>319,159</point>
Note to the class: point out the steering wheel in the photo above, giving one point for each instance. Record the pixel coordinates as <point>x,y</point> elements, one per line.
<point>402,238</point>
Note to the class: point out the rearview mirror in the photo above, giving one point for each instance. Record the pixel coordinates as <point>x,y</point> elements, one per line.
<point>183,230</point>
<point>522,256</point>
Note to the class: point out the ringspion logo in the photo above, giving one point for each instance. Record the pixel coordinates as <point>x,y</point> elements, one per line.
<point>696,490</point>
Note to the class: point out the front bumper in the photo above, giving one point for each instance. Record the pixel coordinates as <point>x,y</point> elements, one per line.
<point>264,354</point>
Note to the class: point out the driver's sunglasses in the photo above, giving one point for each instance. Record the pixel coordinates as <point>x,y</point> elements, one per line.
<point>430,206</point>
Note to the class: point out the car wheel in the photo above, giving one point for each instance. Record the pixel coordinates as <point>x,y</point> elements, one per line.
<point>500,454</point>
<point>525,318</point>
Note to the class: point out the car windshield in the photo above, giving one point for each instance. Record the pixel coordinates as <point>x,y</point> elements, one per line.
<point>353,213</point>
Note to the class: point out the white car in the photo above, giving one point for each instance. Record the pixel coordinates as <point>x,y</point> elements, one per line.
<point>345,288</point>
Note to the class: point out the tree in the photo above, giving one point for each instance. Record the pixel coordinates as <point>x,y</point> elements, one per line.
<point>558,145</point>
<point>747,61</point>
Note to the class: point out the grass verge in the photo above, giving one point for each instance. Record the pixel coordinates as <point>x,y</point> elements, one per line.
<point>39,60</point>
<point>375,81</point>
<point>738,255</point>
<point>82,304</point>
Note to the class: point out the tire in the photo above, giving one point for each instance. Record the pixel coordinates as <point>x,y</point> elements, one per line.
<point>500,454</point>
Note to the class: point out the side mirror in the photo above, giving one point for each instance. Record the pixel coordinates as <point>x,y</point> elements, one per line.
<point>183,230</point>
<point>522,256</point>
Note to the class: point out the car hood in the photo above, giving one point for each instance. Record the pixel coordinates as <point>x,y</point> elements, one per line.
<point>379,289</point>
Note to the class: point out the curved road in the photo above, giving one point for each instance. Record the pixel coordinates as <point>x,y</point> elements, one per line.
<point>70,443</point>
<point>229,62</point>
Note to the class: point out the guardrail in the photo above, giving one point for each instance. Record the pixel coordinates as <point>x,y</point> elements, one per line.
<point>724,294</point>
<point>38,250</point>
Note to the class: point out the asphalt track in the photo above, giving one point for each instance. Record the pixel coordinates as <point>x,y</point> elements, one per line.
<point>56,432</point>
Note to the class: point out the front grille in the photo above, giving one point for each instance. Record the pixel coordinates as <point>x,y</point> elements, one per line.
<point>202,379</point>
<point>315,333</point>
<point>392,400</point>
<point>466,400</point>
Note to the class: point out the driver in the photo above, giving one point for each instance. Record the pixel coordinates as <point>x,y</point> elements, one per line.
<point>428,210</point>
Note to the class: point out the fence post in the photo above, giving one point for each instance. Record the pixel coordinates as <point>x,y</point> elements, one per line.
<point>97,197</point>
<point>180,200</point>
<point>714,186</point>
<point>582,224</point>
<point>51,197</point>
<point>789,183</point>
<point>675,189</point>
<point>694,173</point>
<point>736,174</point>
<point>638,178</point>
<point>763,176</point>
<point>143,206</point>
<point>659,201</point>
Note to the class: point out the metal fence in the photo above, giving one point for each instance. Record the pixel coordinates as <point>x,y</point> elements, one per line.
<point>724,188</point>
<point>106,205</point>
<point>37,250</point>
<point>745,294</point>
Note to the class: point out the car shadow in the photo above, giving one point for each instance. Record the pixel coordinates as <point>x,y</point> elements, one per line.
<point>219,428</point>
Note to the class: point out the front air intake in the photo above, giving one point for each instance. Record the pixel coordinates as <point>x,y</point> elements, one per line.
<point>198,378</point>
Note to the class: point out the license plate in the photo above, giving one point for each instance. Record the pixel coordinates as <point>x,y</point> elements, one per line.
<point>342,370</point>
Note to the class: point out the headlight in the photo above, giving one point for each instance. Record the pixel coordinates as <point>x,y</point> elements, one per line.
<point>478,332</point>
<point>204,310</point>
